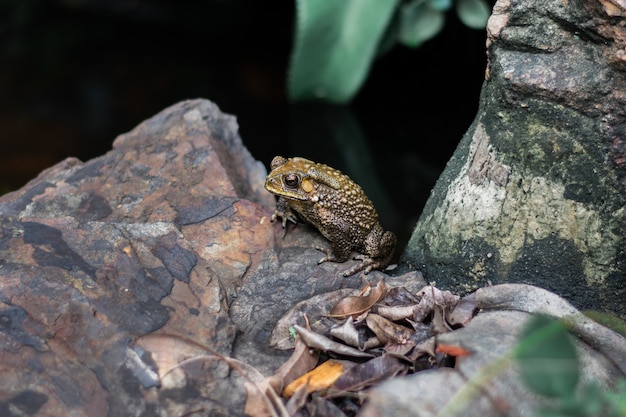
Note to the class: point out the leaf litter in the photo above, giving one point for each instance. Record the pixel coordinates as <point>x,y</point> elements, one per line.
<point>337,361</point>
<point>363,339</point>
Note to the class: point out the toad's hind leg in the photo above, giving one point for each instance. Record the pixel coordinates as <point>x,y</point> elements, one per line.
<point>334,254</point>
<point>379,249</point>
<point>367,265</point>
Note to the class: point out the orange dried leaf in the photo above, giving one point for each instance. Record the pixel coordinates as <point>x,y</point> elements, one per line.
<point>453,350</point>
<point>355,305</point>
<point>365,289</point>
<point>317,379</point>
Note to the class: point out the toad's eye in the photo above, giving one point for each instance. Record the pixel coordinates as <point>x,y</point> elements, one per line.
<point>291,180</point>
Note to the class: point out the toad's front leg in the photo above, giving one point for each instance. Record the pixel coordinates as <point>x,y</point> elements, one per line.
<point>284,212</point>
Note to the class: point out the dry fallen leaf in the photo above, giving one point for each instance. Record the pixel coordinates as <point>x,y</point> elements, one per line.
<point>452,350</point>
<point>315,308</point>
<point>365,374</point>
<point>430,296</point>
<point>297,400</point>
<point>168,351</point>
<point>423,348</point>
<point>400,296</point>
<point>263,401</point>
<point>302,360</point>
<point>321,342</point>
<point>351,335</point>
<point>387,331</point>
<point>317,379</point>
<point>439,322</point>
<point>355,305</point>
<point>463,311</point>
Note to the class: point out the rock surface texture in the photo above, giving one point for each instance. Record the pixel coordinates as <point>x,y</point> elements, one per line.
<point>151,252</point>
<point>536,191</point>
<point>148,281</point>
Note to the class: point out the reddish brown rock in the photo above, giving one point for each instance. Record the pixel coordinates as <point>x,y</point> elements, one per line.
<point>166,236</point>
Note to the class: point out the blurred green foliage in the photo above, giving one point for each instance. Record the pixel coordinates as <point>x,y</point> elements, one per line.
<point>547,357</point>
<point>548,362</point>
<point>337,41</point>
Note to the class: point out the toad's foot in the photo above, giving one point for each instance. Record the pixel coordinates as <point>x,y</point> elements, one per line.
<point>332,255</point>
<point>367,265</point>
<point>284,216</point>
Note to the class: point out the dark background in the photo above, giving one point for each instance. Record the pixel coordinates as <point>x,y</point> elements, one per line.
<point>76,73</point>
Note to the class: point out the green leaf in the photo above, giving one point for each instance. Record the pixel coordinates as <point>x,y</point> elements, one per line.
<point>389,39</point>
<point>441,5</point>
<point>335,43</point>
<point>617,400</point>
<point>547,358</point>
<point>473,13</point>
<point>418,23</point>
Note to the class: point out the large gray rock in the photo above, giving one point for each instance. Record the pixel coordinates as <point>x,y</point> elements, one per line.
<point>536,190</point>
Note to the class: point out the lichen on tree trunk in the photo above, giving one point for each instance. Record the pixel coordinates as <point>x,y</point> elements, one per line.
<point>536,190</point>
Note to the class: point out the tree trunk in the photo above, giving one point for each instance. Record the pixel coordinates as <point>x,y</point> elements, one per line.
<point>536,190</point>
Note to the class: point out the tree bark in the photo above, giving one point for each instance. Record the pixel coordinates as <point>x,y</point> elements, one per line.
<point>536,190</point>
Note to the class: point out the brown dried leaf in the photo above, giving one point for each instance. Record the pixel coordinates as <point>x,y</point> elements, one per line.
<point>430,296</point>
<point>388,331</point>
<point>317,379</point>
<point>463,311</point>
<point>318,341</point>
<point>302,360</point>
<point>259,401</point>
<point>400,350</point>
<point>368,373</point>
<point>407,351</point>
<point>350,334</point>
<point>439,323</point>
<point>297,400</point>
<point>395,313</point>
<point>315,308</point>
<point>425,347</point>
<point>355,305</point>
<point>442,298</point>
<point>169,351</point>
<point>319,406</point>
<point>397,296</point>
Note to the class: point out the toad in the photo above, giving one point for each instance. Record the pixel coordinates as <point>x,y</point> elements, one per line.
<point>336,206</point>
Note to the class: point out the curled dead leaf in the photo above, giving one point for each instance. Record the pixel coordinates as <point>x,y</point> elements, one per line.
<point>430,296</point>
<point>321,342</point>
<point>387,331</point>
<point>355,305</point>
<point>373,371</point>
<point>315,308</point>
<point>463,311</point>
<point>400,296</point>
<point>302,360</point>
<point>395,313</point>
<point>351,335</point>
<point>439,322</point>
